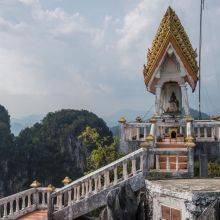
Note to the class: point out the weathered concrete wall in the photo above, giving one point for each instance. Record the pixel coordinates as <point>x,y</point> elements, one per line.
<point>190,203</point>
<point>211,149</point>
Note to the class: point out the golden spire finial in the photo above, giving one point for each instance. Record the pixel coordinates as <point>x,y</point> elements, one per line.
<point>66,181</point>
<point>35,184</point>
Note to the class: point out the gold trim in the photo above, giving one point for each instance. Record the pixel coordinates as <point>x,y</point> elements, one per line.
<point>171,30</point>
<point>35,184</point>
<point>66,181</point>
<point>50,188</point>
<point>122,120</point>
<point>149,138</point>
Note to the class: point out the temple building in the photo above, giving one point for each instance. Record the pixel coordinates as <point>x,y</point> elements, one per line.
<point>174,138</point>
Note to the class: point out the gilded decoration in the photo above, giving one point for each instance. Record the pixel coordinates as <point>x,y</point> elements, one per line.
<point>171,30</point>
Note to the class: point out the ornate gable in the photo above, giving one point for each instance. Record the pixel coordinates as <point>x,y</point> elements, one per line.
<point>171,31</point>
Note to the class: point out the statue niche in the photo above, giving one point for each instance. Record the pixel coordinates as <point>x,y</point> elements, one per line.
<point>173,104</point>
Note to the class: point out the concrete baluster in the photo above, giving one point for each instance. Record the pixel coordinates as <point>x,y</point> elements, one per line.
<point>130,134</point>
<point>87,189</point>
<point>125,171</point>
<point>96,184</point>
<point>99,182</point>
<point>83,189</point>
<point>168,163</point>
<point>17,205</point>
<point>59,201</point>
<point>145,132</point>
<point>23,202</point>
<point>198,132</point>
<point>115,175</point>
<point>11,208</point>
<point>43,199</point>
<point>142,162</point>
<point>78,193</point>
<point>90,185</point>
<point>205,133</point>
<point>107,178</point>
<point>74,193</point>
<point>29,200</point>
<point>213,132</point>
<point>177,162</point>
<point>138,133</point>
<point>5,210</point>
<point>157,162</point>
<point>69,197</point>
<point>133,166</point>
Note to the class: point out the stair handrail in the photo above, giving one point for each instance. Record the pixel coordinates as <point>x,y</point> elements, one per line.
<point>100,170</point>
<point>96,181</point>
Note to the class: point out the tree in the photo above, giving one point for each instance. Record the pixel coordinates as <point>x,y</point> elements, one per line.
<point>104,151</point>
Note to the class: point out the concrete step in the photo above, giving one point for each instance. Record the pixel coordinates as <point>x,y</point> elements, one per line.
<point>36,215</point>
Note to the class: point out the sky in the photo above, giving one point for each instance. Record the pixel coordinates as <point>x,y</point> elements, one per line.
<point>85,54</point>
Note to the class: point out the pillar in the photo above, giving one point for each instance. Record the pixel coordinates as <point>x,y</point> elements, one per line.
<point>157,100</point>
<point>191,162</point>
<point>181,130</point>
<point>130,133</point>
<point>203,165</point>
<point>198,132</point>
<point>145,132</point>
<point>122,132</point>
<point>185,102</point>
<point>188,129</point>
<point>138,133</point>
<point>205,132</point>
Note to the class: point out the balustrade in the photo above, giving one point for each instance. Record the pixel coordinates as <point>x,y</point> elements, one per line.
<point>99,180</point>
<point>24,202</point>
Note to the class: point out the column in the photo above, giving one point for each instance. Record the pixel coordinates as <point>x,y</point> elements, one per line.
<point>181,130</point>
<point>191,162</point>
<point>122,132</point>
<point>130,133</point>
<point>153,129</point>
<point>138,133</point>
<point>157,100</point>
<point>157,162</point>
<point>145,132</point>
<point>219,133</point>
<point>213,132</point>
<point>205,132</point>
<point>198,132</point>
<point>177,162</point>
<point>185,102</point>
<point>188,128</point>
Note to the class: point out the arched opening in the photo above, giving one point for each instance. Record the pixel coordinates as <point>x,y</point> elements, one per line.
<point>171,98</point>
<point>173,134</point>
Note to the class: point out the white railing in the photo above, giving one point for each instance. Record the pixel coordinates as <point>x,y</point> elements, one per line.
<point>207,130</point>
<point>19,204</point>
<point>135,131</point>
<point>101,179</point>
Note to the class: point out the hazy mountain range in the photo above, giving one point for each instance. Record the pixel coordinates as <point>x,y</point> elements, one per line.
<point>17,124</point>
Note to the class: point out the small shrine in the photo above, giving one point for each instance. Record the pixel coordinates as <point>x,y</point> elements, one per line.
<point>172,135</point>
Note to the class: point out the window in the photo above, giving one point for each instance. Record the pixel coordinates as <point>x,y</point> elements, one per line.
<point>169,213</point>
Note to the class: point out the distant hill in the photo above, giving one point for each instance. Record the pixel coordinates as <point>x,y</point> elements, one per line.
<point>18,124</point>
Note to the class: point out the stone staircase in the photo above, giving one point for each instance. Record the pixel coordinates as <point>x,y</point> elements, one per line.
<point>81,196</point>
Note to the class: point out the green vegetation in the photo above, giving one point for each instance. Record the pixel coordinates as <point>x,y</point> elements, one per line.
<point>104,150</point>
<point>65,143</point>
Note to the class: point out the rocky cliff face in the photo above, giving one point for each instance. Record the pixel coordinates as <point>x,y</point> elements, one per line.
<point>123,203</point>
<point>47,151</point>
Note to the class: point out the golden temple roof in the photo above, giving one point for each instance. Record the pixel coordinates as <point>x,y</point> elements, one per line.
<point>171,31</point>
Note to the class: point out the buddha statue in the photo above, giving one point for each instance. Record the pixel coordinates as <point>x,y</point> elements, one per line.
<point>173,104</point>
